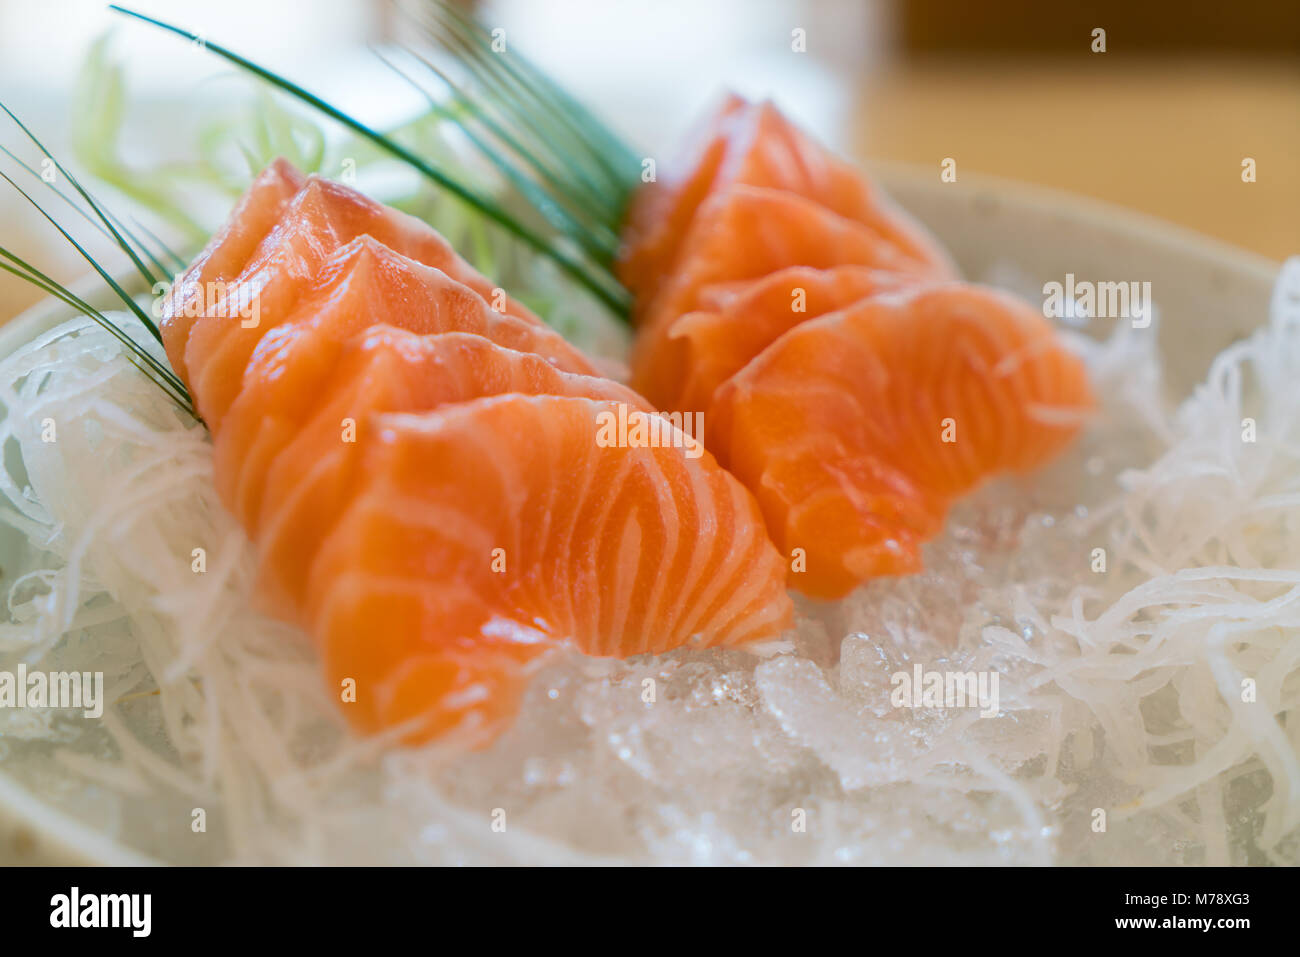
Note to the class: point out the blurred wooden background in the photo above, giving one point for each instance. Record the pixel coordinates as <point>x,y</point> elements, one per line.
<point>1160,122</point>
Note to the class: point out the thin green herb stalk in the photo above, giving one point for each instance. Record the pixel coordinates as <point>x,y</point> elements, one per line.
<point>576,158</point>
<point>604,288</point>
<point>39,279</point>
<point>143,360</point>
<point>122,243</point>
<point>576,200</point>
<point>538,120</point>
<point>56,191</point>
<point>103,221</point>
<point>562,171</point>
<point>529,121</point>
<point>141,246</point>
<point>81,212</point>
<point>178,261</point>
<point>519,77</point>
<point>602,142</point>
<point>121,293</point>
<point>600,245</point>
<point>556,103</point>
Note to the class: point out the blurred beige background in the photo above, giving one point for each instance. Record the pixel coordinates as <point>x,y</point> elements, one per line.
<point>1160,122</point>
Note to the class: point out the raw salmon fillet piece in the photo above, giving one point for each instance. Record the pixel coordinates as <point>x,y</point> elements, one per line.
<point>746,233</point>
<point>426,478</point>
<point>755,145</point>
<point>613,551</point>
<point>856,430</point>
<point>357,285</point>
<point>278,238</point>
<point>824,340</point>
<point>281,463</point>
<point>735,321</point>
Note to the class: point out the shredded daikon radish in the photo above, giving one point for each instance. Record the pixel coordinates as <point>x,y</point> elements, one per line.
<point>1148,702</point>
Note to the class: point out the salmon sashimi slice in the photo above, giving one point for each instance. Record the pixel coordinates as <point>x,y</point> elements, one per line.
<point>306,376</point>
<point>595,547</point>
<point>856,430</point>
<point>746,233</point>
<point>233,245</point>
<point>660,213</point>
<point>274,244</point>
<point>361,283</point>
<point>755,145</point>
<point>287,454</point>
<point>736,321</point>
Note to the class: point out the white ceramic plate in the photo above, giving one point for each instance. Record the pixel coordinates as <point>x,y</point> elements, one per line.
<point>1208,294</point>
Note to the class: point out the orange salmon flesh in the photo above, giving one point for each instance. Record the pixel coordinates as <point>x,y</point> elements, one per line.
<point>843,373</point>
<point>422,476</point>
